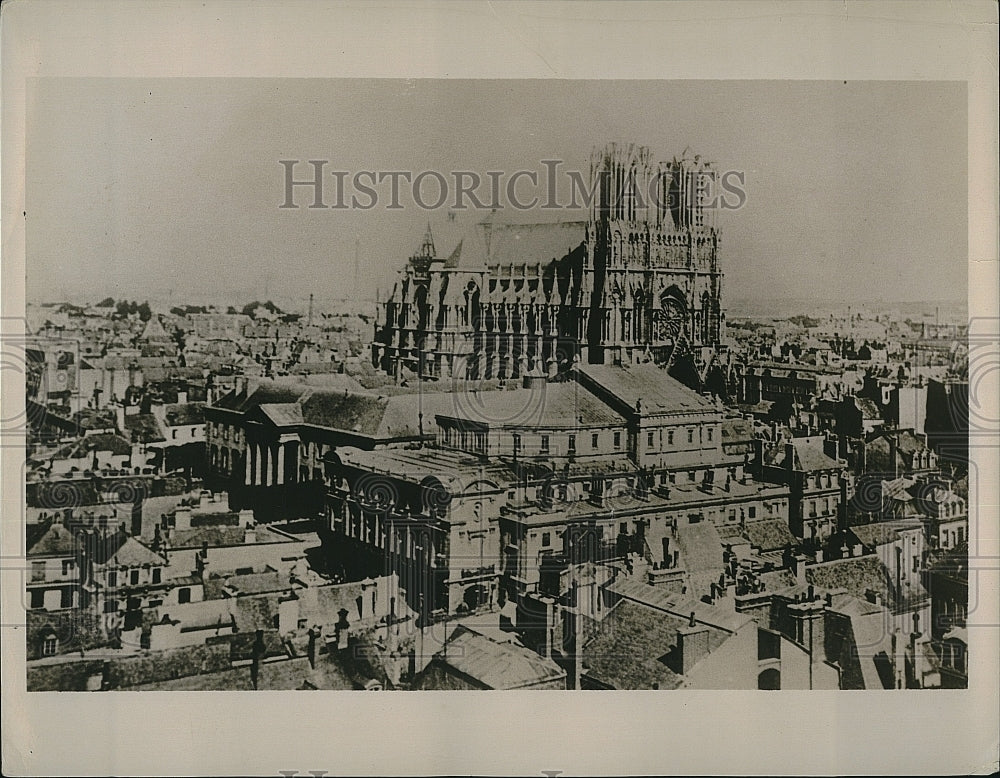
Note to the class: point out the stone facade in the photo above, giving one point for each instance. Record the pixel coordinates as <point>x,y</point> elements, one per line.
<point>640,280</point>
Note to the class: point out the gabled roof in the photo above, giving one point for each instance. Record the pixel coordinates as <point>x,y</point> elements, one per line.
<point>57,541</point>
<point>124,551</point>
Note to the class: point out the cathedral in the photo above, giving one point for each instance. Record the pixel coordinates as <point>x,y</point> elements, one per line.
<point>638,281</point>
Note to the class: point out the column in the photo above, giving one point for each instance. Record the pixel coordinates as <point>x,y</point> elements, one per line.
<point>248,479</point>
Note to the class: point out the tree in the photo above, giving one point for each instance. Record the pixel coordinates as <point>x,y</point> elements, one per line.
<point>145,314</point>
<point>107,302</point>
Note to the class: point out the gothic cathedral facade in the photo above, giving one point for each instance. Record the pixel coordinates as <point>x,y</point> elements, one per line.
<point>638,281</point>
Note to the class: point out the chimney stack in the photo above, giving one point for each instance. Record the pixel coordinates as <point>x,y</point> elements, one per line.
<point>692,644</point>
<point>182,518</point>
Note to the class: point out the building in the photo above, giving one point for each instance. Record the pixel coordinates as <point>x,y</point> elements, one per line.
<point>267,441</point>
<point>53,556</point>
<point>818,483</point>
<point>639,280</point>
<point>471,660</point>
<point>611,463</point>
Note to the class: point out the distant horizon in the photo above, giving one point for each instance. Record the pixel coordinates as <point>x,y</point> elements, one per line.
<point>143,186</point>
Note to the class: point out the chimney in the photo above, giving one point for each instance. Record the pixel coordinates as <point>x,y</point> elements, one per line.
<point>250,535</point>
<point>246,518</point>
<point>341,629</point>
<point>313,646</point>
<point>692,644</point>
<point>873,596</point>
<point>182,397</point>
<point>258,654</point>
<point>182,518</point>
<point>799,568</point>
<point>549,624</point>
<point>789,455</point>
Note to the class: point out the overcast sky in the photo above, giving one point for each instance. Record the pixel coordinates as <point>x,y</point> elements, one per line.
<point>140,188</point>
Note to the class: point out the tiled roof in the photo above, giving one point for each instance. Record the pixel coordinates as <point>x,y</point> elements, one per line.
<point>769,534</point>
<point>808,456</point>
<point>497,665</point>
<point>143,427</point>
<point>283,414</point>
<point>657,391</point>
<point>360,413</point>
<point>132,553</point>
<point>555,405</point>
<point>57,541</point>
<point>183,414</point>
<point>221,536</point>
<point>631,647</point>
<point>873,535</point>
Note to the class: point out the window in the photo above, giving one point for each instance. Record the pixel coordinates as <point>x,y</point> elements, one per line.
<point>663,479</point>
<point>156,575</point>
<point>649,439</point>
<point>690,436</point>
<point>710,434</point>
<point>133,577</point>
<point>50,645</point>
<point>183,595</point>
<point>546,538</point>
<point>173,434</point>
<point>66,598</point>
<point>545,444</point>
<point>593,440</point>
<point>692,476</point>
<point>618,440</point>
<point>752,512</point>
<point>67,566</point>
<point>112,578</point>
<point>38,571</point>
<point>572,444</point>
<point>916,564</point>
<point>37,598</point>
<point>670,437</point>
<point>517,443</point>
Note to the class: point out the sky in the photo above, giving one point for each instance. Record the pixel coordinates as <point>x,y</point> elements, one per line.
<point>170,188</point>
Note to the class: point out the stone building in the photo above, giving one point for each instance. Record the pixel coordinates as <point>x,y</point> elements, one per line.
<point>639,280</point>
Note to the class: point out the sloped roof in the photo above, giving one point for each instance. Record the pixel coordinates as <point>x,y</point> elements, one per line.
<point>769,534</point>
<point>553,405</point>
<point>517,244</point>
<point>182,414</point>
<point>497,665</point>
<point>808,456</point>
<point>737,430</point>
<point>648,383</point>
<point>143,427</point>
<point>129,553</point>
<point>154,331</point>
<point>57,541</point>
<point>635,646</point>
<point>283,414</point>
